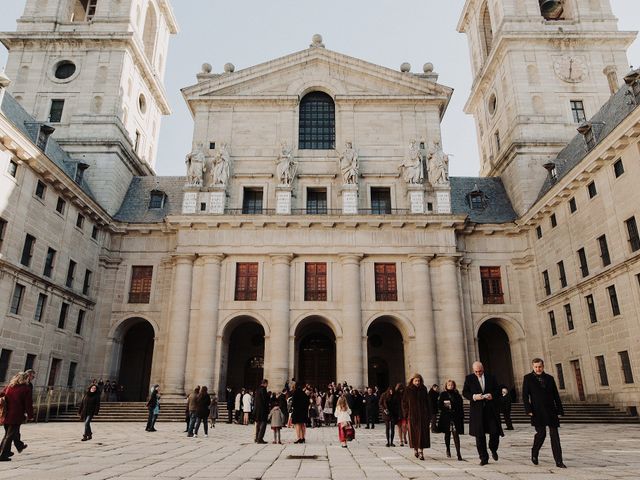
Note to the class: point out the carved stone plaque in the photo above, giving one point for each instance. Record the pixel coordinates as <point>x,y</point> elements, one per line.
<point>189,202</point>
<point>216,202</point>
<point>416,201</point>
<point>283,202</point>
<point>349,200</point>
<point>443,202</point>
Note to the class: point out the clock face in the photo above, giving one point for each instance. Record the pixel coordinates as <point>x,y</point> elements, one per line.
<point>570,69</point>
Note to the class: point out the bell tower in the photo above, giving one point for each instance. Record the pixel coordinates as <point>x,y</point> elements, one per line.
<point>540,67</point>
<point>93,70</point>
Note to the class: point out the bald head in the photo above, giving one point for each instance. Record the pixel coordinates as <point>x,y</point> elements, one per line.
<point>478,369</point>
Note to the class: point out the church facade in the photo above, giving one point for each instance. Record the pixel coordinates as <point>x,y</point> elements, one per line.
<point>317,233</point>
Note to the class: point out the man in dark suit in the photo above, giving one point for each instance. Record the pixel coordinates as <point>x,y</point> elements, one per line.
<point>542,403</point>
<point>261,411</point>
<point>482,391</point>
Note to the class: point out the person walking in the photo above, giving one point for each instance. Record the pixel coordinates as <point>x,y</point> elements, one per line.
<point>213,409</point>
<point>153,406</point>
<point>389,414</point>
<point>18,404</point>
<point>371,407</point>
<point>192,410</point>
<point>276,417</point>
<point>203,401</point>
<point>481,389</point>
<point>17,440</point>
<point>343,420</point>
<point>416,402</point>
<point>434,393</point>
<point>299,414</point>
<point>89,408</point>
<point>505,407</point>
<point>401,416</point>
<point>542,403</point>
<point>261,411</point>
<point>451,420</point>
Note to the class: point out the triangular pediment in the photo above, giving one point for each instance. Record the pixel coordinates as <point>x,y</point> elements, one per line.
<point>316,67</point>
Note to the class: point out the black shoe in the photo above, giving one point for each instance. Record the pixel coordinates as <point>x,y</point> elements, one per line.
<point>510,428</point>
<point>10,454</point>
<point>392,444</point>
<point>448,453</point>
<point>460,458</point>
<point>560,465</point>
<point>494,455</point>
<point>20,449</point>
<point>261,441</point>
<point>534,459</point>
<point>5,459</point>
<point>484,462</point>
<point>388,444</point>
<point>367,427</point>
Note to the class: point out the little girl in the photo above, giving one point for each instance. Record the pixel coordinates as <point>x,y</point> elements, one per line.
<point>343,418</point>
<point>277,422</point>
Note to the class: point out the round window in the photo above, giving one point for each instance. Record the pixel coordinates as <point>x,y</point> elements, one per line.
<point>493,103</point>
<point>142,103</point>
<point>65,69</point>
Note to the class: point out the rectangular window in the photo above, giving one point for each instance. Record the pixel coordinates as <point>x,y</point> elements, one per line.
<point>27,250</point>
<point>53,372</point>
<point>591,188</point>
<point>60,206</point>
<point>554,221</point>
<point>80,221</point>
<point>602,371</point>
<point>73,366</point>
<point>613,298</point>
<point>577,110</point>
<point>246,282</point>
<point>634,237</point>
<point>64,312</point>
<point>625,364</point>
<point>12,168</point>
<point>86,284</point>
<point>316,201</point>
<point>40,307</point>
<point>49,262</point>
<point>315,282</point>
<point>539,231</point>
<point>561,385</point>
<point>41,188</point>
<point>604,250</point>
<point>385,282</point>
<point>552,323</point>
<point>55,114</point>
<point>43,137</point>
<point>71,271</point>
<point>584,267</point>
<point>569,316</point>
<point>80,322</point>
<point>140,288</point>
<point>546,283</point>
<point>3,230</point>
<point>590,139</point>
<point>30,361</point>
<point>380,200</point>
<point>491,285</point>
<point>252,201</point>
<point>593,317</point>
<point>5,359</point>
<point>618,168</point>
<point>94,232</point>
<point>572,205</point>
<point>562,274</point>
<point>16,299</point>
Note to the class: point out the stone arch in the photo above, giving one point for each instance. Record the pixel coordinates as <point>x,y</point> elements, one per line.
<point>328,320</point>
<point>315,351</point>
<point>402,323</point>
<point>330,86</point>
<point>486,30</point>
<point>511,326</point>
<point>386,346</point>
<point>499,340</point>
<point>243,339</point>
<point>150,31</point>
<point>123,323</point>
<point>232,318</point>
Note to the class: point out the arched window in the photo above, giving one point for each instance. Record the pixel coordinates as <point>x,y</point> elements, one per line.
<point>150,31</point>
<point>317,123</point>
<point>486,32</point>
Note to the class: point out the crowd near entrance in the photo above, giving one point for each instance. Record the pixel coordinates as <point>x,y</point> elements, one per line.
<point>135,360</point>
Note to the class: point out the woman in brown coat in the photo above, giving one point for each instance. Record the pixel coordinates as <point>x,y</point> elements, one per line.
<point>416,406</point>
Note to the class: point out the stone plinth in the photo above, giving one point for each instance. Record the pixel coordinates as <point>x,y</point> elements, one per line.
<point>349,199</point>
<point>217,200</point>
<point>416,199</point>
<point>190,202</point>
<point>443,199</point>
<point>283,200</point>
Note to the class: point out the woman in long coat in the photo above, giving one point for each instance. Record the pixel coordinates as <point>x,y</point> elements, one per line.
<point>300,413</point>
<point>18,403</point>
<point>416,403</point>
<point>203,401</point>
<point>451,421</point>
<point>89,408</point>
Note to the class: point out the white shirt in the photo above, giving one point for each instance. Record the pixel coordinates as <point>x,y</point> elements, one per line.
<point>343,416</point>
<point>238,401</point>
<point>246,403</point>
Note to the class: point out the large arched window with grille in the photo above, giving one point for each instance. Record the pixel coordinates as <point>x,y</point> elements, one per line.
<point>317,123</point>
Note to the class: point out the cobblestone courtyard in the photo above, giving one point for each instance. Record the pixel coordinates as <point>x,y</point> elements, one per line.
<point>126,451</point>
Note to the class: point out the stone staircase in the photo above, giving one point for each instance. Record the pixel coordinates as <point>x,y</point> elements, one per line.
<point>175,412</point>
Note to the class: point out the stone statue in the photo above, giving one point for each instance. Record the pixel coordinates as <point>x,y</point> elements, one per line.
<point>349,165</point>
<point>438,165</point>
<point>195,166</point>
<point>286,166</point>
<point>220,167</point>
<point>412,167</point>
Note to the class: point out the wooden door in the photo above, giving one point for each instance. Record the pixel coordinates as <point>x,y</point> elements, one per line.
<point>578,373</point>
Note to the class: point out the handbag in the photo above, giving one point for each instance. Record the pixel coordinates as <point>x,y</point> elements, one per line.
<point>349,432</point>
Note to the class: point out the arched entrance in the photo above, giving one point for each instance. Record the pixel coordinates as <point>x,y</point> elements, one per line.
<point>315,353</point>
<point>385,351</point>
<point>135,360</point>
<point>495,352</point>
<point>244,348</point>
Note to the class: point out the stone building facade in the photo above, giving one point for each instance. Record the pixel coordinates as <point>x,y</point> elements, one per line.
<point>317,233</point>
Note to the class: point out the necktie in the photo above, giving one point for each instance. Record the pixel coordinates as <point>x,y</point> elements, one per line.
<point>482,383</point>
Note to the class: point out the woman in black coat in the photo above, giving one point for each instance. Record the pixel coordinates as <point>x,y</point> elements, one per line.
<point>416,406</point>
<point>451,421</point>
<point>203,400</point>
<point>300,413</point>
<point>89,408</point>
<point>356,411</point>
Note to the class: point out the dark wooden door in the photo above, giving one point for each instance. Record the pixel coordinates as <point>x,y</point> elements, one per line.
<point>317,361</point>
<point>579,383</point>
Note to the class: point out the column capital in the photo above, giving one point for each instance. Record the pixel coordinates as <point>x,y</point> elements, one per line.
<point>421,259</point>
<point>444,259</point>
<point>183,258</point>
<point>350,258</point>
<point>281,258</point>
<point>215,258</point>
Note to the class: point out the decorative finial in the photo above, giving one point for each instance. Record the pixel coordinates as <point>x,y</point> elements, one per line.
<point>316,41</point>
<point>206,68</point>
<point>405,67</point>
<point>229,68</point>
<point>427,68</point>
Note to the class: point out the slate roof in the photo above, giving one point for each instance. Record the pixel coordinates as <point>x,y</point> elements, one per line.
<point>498,207</point>
<point>610,115</point>
<point>30,127</point>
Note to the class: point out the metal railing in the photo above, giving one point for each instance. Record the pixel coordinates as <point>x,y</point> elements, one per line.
<point>51,401</point>
<point>321,211</point>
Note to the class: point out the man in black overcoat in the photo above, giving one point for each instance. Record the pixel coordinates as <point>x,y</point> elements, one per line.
<point>261,411</point>
<point>482,391</point>
<point>542,403</point>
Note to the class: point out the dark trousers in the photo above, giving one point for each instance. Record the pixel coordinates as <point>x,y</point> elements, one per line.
<point>261,428</point>
<point>204,422</point>
<point>151,420</point>
<point>192,423</point>
<point>230,413</point>
<point>507,419</point>
<point>481,445</point>
<point>19,444</point>
<point>371,419</point>
<point>538,440</point>
<point>10,432</point>
<point>87,425</point>
<point>389,430</point>
<point>434,423</point>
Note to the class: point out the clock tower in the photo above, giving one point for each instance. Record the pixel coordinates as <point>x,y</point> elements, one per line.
<point>540,67</point>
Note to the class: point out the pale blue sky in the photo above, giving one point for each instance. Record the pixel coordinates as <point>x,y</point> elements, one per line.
<point>385,32</point>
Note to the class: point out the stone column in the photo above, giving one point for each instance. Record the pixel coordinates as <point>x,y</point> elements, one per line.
<point>449,324</point>
<point>208,321</point>
<point>425,353</point>
<point>177,338</point>
<point>352,351</point>
<point>279,339</point>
